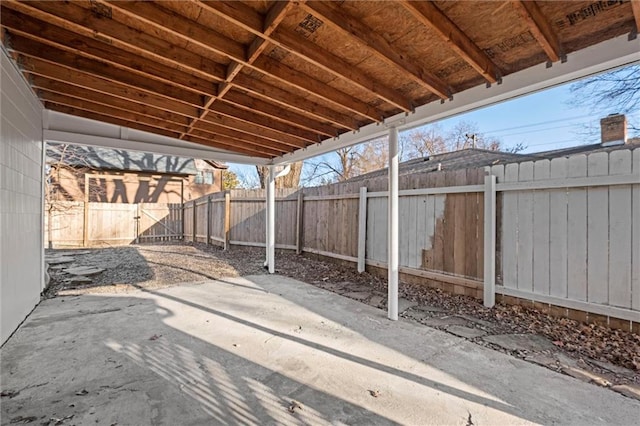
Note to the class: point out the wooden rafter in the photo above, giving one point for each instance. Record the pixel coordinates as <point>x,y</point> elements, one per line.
<point>241,99</point>
<point>59,73</point>
<point>35,29</point>
<point>260,120</point>
<point>103,70</point>
<point>249,20</point>
<point>254,79</point>
<point>166,20</point>
<point>108,72</point>
<point>378,45</point>
<point>274,17</point>
<point>62,88</point>
<point>540,27</point>
<point>431,16</point>
<point>110,110</point>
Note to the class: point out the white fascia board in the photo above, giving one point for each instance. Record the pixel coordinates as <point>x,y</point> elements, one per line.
<point>65,128</point>
<point>610,54</point>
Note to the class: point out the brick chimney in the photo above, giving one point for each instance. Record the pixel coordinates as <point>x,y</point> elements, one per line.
<point>613,130</point>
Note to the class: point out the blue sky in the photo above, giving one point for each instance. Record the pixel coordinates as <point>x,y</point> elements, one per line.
<point>542,121</point>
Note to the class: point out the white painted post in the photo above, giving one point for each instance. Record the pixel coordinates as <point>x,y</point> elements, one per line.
<point>362,229</point>
<point>271,220</point>
<point>393,263</point>
<point>489,241</point>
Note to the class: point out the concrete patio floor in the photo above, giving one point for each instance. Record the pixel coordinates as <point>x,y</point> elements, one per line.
<point>239,351</point>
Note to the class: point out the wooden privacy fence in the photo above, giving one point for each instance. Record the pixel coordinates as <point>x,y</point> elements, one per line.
<point>565,231</point>
<point>77,223</point>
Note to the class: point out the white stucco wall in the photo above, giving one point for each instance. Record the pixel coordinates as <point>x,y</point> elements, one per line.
<point>21,255</point>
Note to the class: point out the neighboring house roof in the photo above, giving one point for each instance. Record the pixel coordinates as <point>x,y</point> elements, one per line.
<point>475,158</point>
<point>114,159</point>
<point>585,149</point>
<point>462,159</point>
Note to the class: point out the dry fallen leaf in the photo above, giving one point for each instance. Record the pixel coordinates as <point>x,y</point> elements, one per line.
<point>374,393</point>
<point>293,406</point>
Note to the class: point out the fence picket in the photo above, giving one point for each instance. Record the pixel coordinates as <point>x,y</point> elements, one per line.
<point>619,236</point>
<point>510,238</point>
<point>597,231</point>
<point>541,171</point>
<point>558,231</point>
<point>577,232</point>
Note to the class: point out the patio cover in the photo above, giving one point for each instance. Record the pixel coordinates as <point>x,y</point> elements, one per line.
<point>263,82</point>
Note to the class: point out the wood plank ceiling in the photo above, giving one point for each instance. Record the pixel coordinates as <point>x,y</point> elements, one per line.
<point>264,78</point>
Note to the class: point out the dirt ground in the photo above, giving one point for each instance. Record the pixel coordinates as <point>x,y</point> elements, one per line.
<point>613,354</point>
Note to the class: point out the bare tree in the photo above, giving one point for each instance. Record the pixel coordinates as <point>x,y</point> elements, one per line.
<point>290,180</point>
<point>617,91</point>
<point>352,161</point>
<point>425,141</point>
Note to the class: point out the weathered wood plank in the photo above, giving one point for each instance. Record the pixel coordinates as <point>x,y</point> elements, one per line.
<point>597,231</point>
<point>510,230</point>
<point>620,222</point>
<point>541,171</point>
<point>558,256</point>
<point>525,230</point>
<point>577,232</point>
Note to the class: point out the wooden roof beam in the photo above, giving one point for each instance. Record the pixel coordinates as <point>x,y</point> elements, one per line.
<point>59,87</point>
<point>73,17</point>
<point>97,112</point>
<point>182,27</point>
<point>302,105</point>
<point>85,99</point>
<point>53,35</point>
<point>248,19</point>
<point>240,149</point>
<point>109,54</point>
<point>253,129</point>
<point>34,66</point>
<point>337,66</point>
<point>251,117</point>
<point>89,105</point>
<point>275,112</point>
<point>377,44</point>
<point>540,27</point>
<point>275,15</point>
<point>315,88</point>
<point>432,17</point>
<point>103,70</point>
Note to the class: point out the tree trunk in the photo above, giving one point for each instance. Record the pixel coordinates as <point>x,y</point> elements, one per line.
<point>291,180</point>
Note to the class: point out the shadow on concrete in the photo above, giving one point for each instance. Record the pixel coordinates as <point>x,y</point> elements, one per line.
<point>169,377</point>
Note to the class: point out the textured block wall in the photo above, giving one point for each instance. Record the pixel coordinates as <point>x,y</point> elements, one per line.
<point>21,263</point>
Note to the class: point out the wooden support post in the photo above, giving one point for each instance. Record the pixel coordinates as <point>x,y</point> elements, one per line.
<point>137,223</point>
<point>208,216</point>
<point>182,220</point>
<point>195,215</point>
<point>393,253</point>
<point>227,219</point>
<point>300,222</point>
<point>489,241</point>
<point>362,229</point>
<point>85,223</point>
